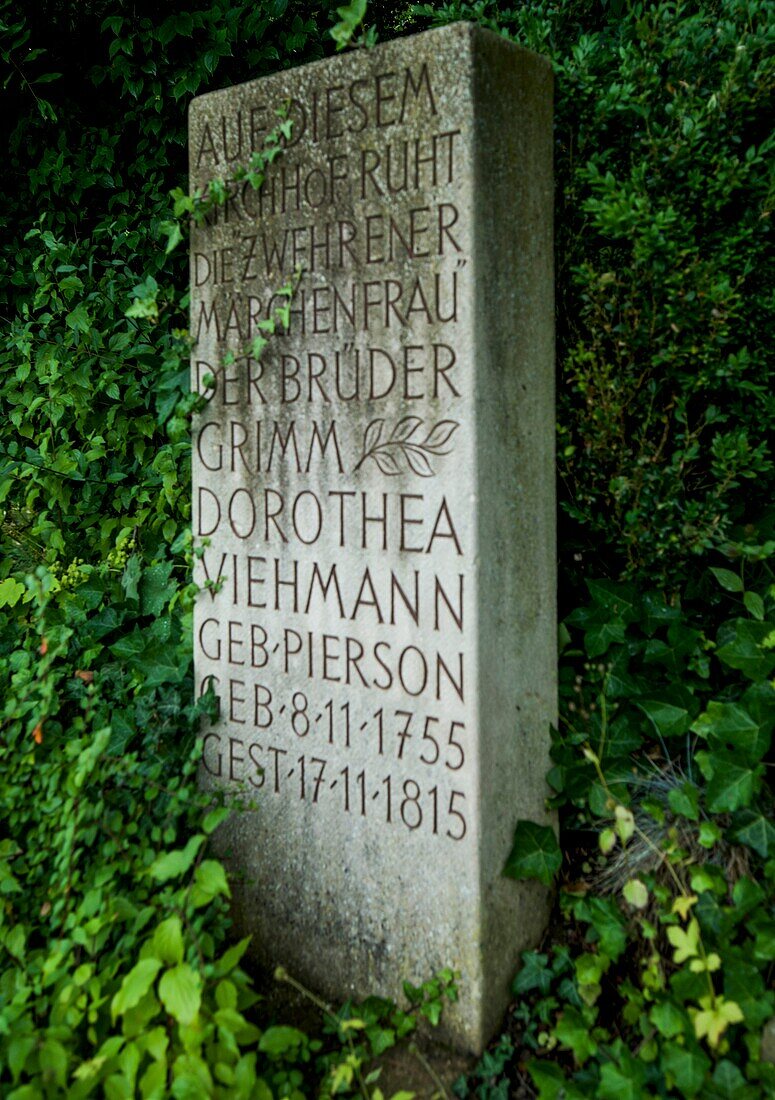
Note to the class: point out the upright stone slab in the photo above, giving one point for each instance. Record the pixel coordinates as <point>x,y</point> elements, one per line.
<point>378,496</point>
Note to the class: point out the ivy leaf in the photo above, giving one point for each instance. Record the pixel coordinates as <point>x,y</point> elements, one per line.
<point>550,1080</point>
<point>686,943</point>
<point>729,1084</point>
<point>130,646</point>
<point>730,725</point>
<point>624,1083</point>
<point>156,588</point>
<point>533,974</point>
<point>180,993</point>
<point>11,591</point>
<point>535,853</point>
<point>608,923</point>
<point>574,1032</point>
<point>668,1019</point>
<point>670,716</point>
<point>600,636</point>
<point>131,577</point>
<point>745,650</point>
<point>756,831</point>
<point>731,787</point>
<point>161,665</point>
<point>668,719</point>
<point>714,1019</point>
<point>685,800</point>
<point>687,1066</point>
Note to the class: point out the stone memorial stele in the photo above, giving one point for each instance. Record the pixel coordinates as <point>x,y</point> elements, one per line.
<point>374,500</point>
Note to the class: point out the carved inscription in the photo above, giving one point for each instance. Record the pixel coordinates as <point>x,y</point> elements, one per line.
<point>334,538</point>
<point>372,508</point>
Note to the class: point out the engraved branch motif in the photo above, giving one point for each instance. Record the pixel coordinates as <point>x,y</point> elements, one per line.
<point>400,451</point>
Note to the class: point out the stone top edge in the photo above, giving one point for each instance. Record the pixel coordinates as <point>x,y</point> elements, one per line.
<point>462,29</point>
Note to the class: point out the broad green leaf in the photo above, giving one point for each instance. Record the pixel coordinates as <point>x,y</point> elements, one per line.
<point>552,1082</point>
<point>534,973</point>
<point>167,943</point>
<point>636,893</point>
<point>732,786</point>
<point>668,1019</point>
<point>174,864</point>
<point>153,1081</point>
<point>744,651</point>
<point>276,1041</point>
<point>156,588</point>
<point>215,818</point>
<point>621,1083</point>
<point>180,993</point>
<point>755,604</point>
<point>78,319</point>
<point>11,591</point>
<point>685,942</point>
<point>752,828</point>
<point>685,800</point>
<point>131,577</point>
<point>574,1032</point>
<point>53,1058</point>
<point>18,1050</point>
<point>731,725</point>
<point>231,957</point>
<point>209,882</point>
<point>610,927</point>
<point>687,1067</point>
<point>135,985</point>
<point>729,1084</point>
<point>600,636</point>
<point>161,665</point>
<point>728,580</point>
<point>668,718</point>
<point>534,854</point>
<point>713,1019</point>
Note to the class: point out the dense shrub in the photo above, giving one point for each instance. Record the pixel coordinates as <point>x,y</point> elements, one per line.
<point>665,272</point>
<point>112,917</point>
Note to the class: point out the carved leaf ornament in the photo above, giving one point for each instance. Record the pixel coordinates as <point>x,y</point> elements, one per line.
<point>403,449</point>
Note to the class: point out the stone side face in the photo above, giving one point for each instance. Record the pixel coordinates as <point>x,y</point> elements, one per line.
<point>378,495</point>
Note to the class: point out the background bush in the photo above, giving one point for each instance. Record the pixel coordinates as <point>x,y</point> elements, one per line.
<point>665,422</point>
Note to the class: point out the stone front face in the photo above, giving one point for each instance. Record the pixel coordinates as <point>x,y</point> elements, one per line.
<point>374,497</point>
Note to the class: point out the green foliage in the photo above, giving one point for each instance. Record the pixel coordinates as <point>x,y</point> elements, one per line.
<point>351,17</point>
<point>535,853</point>
<point>117,976</point>
<point>662,984</point>
<point>660,772</point>
<point>663,159</point>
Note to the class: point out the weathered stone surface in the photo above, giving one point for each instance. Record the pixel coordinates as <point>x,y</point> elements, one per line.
<point>378,495</point>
